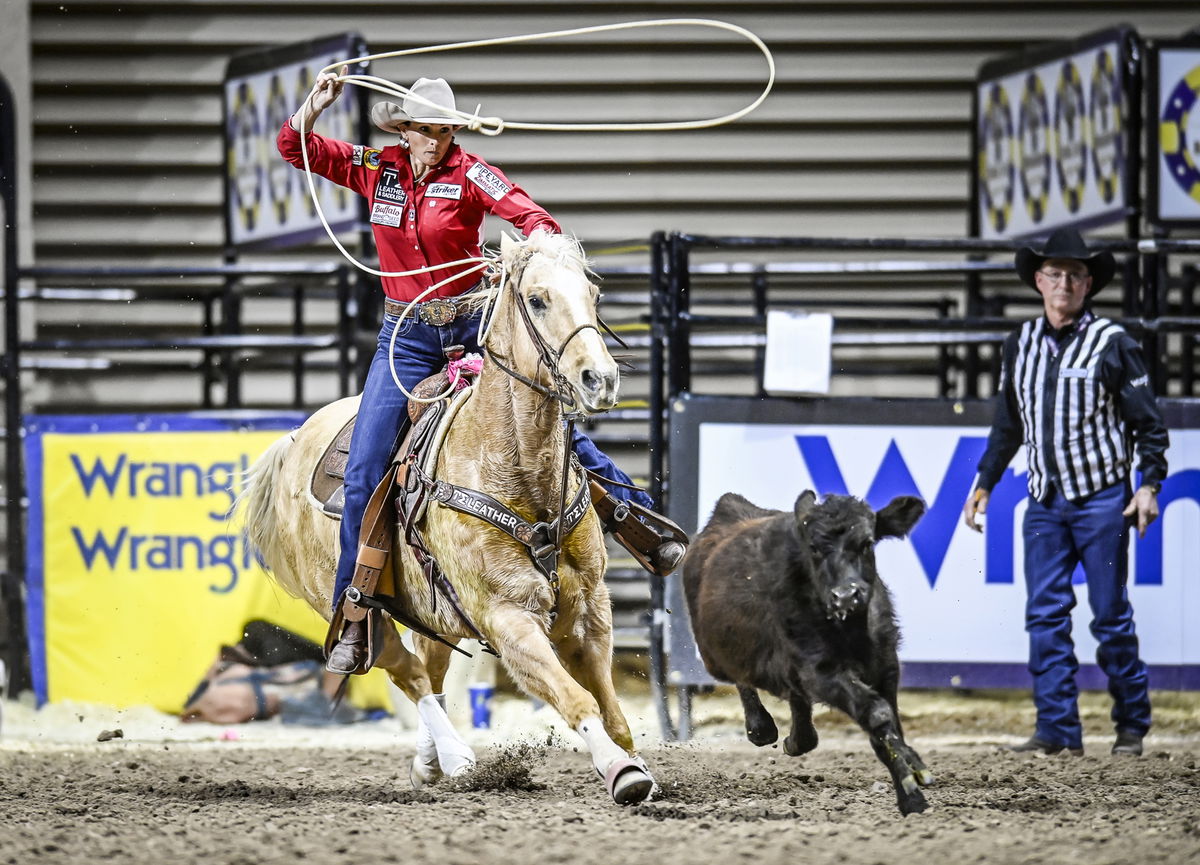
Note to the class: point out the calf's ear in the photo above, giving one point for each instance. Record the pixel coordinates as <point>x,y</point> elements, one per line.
<point>897,518</point>
<point>804,505</point>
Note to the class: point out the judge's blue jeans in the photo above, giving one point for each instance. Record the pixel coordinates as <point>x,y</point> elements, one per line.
<point>1058,536</point>
<point>419,353</point>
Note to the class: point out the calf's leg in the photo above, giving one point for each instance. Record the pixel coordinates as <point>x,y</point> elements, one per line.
<point>873,713</point>
<point>887,689</point>
<point>760,726</point>
<point>803,736</point>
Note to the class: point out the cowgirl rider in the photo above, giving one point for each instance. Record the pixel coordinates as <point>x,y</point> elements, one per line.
<point>428,201</point>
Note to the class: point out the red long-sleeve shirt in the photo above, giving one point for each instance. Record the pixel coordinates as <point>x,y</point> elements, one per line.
<point>435,220</point>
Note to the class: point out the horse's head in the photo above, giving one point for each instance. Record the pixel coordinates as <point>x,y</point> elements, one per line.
<point>548,325</point>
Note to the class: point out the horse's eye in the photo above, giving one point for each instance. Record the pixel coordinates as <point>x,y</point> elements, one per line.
<point>536,303</point>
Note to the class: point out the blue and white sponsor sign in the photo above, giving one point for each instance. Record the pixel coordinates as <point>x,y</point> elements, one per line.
<point>960,596</point>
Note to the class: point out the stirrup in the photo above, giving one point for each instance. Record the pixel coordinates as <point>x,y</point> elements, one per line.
<point>372,641</point>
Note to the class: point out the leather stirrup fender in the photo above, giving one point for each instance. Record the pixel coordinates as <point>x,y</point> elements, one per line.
<point>374,549</point>
<point>630,525</point>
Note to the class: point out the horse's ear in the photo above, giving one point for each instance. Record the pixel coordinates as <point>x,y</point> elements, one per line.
<point>507,244</point>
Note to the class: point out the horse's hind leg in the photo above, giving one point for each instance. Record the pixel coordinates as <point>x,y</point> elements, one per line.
<point>450,754</point>
<point>530,659</point>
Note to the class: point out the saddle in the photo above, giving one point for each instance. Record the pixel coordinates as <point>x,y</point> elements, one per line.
<point>420,444</point>
<point>328,482</point>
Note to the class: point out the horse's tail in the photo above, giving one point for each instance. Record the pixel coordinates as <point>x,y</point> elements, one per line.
<point>255,505</point>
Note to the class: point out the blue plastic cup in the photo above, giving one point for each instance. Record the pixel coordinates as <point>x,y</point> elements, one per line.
<point>481,705</point>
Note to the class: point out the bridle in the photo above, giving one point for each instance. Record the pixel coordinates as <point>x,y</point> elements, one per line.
<point>562,392</point>
<point>548,356</point>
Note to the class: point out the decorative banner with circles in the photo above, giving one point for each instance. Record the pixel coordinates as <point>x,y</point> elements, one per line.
<point>1052,140</point>
<point>267,202</point>
<point>1174,172</point>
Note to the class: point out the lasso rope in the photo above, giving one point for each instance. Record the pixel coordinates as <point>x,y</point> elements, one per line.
<point>497,125</point>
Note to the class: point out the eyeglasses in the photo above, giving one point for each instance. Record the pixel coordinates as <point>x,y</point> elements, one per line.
<point>1057,276</point>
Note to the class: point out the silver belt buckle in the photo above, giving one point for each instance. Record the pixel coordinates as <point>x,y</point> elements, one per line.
<point>438,311</point>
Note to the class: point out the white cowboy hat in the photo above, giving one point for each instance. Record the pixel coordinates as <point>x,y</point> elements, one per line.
<point>390,117</point>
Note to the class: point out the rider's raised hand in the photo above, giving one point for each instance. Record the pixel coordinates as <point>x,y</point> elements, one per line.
<point>327,89</point>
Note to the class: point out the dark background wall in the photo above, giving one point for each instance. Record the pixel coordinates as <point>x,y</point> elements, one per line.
<point>866,132</point>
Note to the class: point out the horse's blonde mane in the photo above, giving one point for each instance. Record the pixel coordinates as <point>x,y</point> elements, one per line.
<point>562,249</point>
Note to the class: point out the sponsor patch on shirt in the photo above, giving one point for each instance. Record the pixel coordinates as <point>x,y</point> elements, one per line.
<point>488,181</point>
<point>1140,381</point>
<point>386,214</point>
<point>1072,372</point>
<point>445,190</point>
<point>371,159</point>
<point>388,187</point>
<point>356,154</point>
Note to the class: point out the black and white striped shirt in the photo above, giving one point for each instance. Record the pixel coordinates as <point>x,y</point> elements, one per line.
<point>1081,402</point>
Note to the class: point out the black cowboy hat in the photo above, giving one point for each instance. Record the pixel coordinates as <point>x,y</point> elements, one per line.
<point>1066,243</point>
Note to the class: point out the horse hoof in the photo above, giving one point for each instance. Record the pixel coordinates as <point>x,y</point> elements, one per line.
<point>464,769</point>
<point>423,774</point>
<point>924,777</point>
<point>629,781</point>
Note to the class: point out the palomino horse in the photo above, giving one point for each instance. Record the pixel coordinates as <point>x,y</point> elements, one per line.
<point>506,441</point>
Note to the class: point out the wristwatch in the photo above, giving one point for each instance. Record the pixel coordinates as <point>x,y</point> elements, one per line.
<point>1155,487</point>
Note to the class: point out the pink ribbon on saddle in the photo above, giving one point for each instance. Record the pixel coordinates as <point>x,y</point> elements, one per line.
<point>464,369</point>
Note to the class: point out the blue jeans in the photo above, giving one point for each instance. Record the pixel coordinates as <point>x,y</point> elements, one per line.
<point>1058,536</point>
<point>419,353</point>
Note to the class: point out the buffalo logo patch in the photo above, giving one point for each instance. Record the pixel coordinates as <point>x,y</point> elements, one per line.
<point>386,214</point>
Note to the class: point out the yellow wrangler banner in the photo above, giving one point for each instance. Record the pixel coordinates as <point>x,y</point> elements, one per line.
<point>135,576</point>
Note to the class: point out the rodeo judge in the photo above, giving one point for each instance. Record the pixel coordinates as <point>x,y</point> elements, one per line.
<point>428,201</point>
<point>1074,388</point>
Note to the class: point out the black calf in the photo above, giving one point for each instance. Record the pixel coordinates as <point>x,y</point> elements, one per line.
<point>792,604</point>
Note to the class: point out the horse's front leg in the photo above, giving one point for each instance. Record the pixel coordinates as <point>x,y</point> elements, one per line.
<point>530,659</point>
<point>440,749</point>
<point>586,651</point>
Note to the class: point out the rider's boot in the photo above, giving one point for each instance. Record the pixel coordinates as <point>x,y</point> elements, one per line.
<point>656,543</point>
<point>350,651</point>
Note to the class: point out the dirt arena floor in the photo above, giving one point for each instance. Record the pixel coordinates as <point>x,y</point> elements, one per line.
<point>269,793</point>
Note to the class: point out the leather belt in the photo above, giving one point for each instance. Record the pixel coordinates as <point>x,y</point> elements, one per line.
<point>437,312</point>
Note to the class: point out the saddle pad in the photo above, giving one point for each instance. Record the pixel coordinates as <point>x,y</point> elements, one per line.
<point>427,460</point>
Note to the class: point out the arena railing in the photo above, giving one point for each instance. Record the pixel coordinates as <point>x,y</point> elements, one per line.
<point>221,348</point>
<point>1157,307</point>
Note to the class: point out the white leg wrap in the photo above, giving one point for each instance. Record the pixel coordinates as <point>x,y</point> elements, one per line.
<point>453,754</point>
<point>425,768</point>
<point>604,750</point>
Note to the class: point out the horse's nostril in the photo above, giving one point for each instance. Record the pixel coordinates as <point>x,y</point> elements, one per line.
<point>592,381</point>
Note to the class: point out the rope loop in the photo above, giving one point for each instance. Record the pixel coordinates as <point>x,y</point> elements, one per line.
<point>494,125</point>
